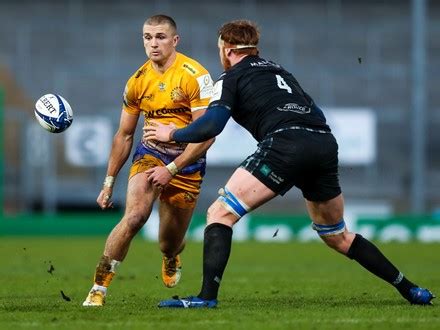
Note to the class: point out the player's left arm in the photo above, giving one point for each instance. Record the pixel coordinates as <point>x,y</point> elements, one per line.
<point>199,89</point>
<point>205,127</point>
<point>193,151</point>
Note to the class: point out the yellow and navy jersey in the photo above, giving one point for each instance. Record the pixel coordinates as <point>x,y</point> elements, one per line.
<point>168,97</point>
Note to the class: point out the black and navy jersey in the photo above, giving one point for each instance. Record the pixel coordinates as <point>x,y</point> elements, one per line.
<point>264,98</point>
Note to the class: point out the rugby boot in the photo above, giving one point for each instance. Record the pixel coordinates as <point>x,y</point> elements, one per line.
<point>95,298</point>
<point>171,271</point>
<point>188,302</point>
<point>420,296</point>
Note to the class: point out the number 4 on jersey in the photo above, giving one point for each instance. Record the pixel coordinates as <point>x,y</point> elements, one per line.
<point>282,84</point>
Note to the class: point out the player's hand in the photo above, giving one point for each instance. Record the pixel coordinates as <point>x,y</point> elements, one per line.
<point>104,198</point>
<point>159,176</point>
<point>157,131</point>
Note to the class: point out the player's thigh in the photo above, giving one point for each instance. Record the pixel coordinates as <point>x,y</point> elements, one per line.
<point>248,192</point>
<point>174,221</point>
<point>177,203</point>
<point>140,195</point>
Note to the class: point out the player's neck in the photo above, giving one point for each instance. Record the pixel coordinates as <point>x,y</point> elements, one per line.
<point>237,58</point>
<point>163,66</point>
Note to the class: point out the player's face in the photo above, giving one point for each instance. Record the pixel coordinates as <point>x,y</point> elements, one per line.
<point>160,42</point>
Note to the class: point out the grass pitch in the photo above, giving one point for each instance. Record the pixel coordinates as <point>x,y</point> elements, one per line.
<point>266,286</point>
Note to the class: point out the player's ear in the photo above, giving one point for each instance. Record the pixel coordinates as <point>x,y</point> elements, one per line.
<point>176,39</point>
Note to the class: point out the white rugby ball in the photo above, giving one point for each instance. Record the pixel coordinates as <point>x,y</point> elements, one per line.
<point>53,113</point>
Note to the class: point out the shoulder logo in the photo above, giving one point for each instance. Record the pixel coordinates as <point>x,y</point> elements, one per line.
<point>205,86</point>
<point>190,68</point>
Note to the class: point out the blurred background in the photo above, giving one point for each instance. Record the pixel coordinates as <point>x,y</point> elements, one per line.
<point>373,66</point>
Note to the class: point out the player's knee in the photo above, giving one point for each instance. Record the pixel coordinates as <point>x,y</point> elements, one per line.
<point>171,247</point>
<point>134,222</point>
<point>341,242</point>
<point>334,242</point>
<point>335,236</point>
<point>216,213</point>
<point>227,209</point>
<point>232,203</point>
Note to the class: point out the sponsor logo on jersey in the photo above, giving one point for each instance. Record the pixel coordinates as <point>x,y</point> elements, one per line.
<point>294,107</point>
<point>164,111</point>
<point>162,86</point>
<point>149,97</point>
<point>264,63</point>
<point>205,86</point>
<point>190,68</point>
<point>178,95</point>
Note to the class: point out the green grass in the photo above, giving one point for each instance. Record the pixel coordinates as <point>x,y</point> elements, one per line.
<point>266,286</point>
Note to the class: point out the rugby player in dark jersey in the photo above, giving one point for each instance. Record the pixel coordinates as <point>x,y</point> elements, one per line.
<point>295,148</point>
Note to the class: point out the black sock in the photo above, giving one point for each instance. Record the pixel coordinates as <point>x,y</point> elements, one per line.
<point>370,257</point>
<point>216,251</point>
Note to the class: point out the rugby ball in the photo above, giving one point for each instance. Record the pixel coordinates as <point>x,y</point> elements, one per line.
<point>53,113</point>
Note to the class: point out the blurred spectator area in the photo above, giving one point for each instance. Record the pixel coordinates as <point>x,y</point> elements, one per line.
<point>344,53</point>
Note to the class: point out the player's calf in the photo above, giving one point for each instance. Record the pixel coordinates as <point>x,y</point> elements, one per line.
<point>104,273</point>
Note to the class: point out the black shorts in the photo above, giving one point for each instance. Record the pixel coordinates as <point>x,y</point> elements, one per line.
<point>297,157</point>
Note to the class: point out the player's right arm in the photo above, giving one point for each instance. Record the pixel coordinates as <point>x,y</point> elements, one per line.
<point>122,141</point>
<point>121,147</point>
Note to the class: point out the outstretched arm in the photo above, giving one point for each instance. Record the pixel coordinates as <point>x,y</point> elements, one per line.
<point>204,128</point>
<point>121,147</point>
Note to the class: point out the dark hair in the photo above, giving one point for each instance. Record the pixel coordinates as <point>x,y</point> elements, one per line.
<point>161,19</point>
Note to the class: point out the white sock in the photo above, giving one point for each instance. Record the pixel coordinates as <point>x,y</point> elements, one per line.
<point>100,288</point>
<point>114,264</point>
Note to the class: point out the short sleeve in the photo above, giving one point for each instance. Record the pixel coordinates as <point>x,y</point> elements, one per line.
<point>200,91</point>
<point>130,99</point>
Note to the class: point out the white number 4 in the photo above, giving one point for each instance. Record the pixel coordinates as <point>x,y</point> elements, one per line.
<point>282,84</point>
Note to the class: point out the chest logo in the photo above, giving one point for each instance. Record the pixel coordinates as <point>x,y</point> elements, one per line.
<point>162,87</point>
<point>178,95</point>
<point>149,97</point>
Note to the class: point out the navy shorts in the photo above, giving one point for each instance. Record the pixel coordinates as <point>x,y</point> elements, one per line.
<point>297,157</point>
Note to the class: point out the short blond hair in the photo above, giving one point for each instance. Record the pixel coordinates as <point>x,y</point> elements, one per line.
<point>162,19</point>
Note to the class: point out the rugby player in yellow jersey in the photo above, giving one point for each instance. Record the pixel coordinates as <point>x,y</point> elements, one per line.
<point>170,88</point>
